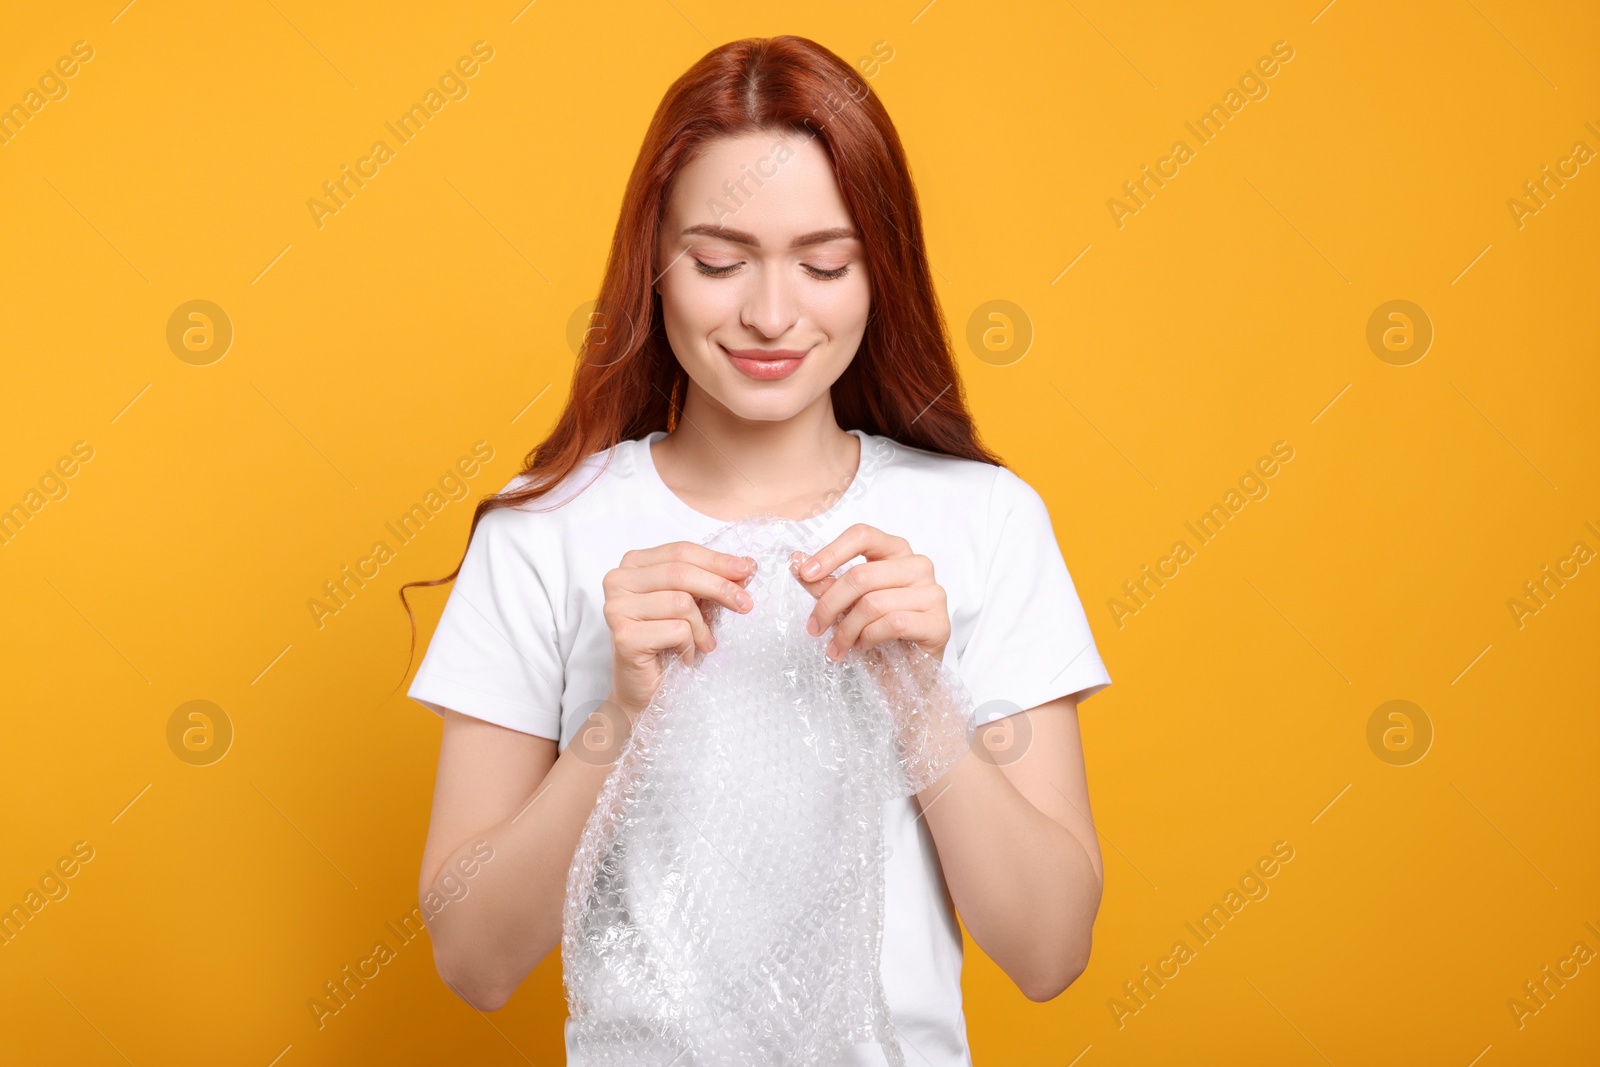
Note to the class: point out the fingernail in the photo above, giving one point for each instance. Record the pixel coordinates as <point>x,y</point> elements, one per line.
<point>749,564</point>
<point>811,625</point>
<point>810,569</point>
<point>744,601</point>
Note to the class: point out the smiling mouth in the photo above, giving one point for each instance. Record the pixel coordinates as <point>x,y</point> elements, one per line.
<point>765,364</point>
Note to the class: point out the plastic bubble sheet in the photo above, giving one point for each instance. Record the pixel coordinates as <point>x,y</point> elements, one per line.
<point>725,902</point>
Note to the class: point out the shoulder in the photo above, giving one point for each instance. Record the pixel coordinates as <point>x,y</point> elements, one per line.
<point>937,474</point>
<point>589,488</point>
<point>983,492</point>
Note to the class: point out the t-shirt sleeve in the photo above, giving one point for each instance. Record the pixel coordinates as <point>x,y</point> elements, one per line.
<point>494,655</point>
<point>1031,641</point>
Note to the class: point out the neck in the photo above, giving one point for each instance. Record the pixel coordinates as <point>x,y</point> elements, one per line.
<point>730,467</point>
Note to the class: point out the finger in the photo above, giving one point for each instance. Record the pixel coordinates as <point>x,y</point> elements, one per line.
<point>923,629</point>
<point>858,540</point>
<point>725,564</point>
<point>861,579</point>
<point>902,611</point>
<point>815,587</point>
<point>818,587</point>
<point>691,578</point>
<point>650,637</point>
<point>672,604</point>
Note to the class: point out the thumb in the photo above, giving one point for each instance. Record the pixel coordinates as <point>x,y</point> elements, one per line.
<point>816,588</point>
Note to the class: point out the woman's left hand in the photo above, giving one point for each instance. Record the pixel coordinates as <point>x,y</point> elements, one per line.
<point>893,595</point>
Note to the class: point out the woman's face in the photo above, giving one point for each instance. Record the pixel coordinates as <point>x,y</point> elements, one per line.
<point>759,258</point>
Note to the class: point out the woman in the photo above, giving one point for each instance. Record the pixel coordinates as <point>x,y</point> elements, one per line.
<point>768,342</point>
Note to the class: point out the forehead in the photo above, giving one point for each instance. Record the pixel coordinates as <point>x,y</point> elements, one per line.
<point>775,184</point>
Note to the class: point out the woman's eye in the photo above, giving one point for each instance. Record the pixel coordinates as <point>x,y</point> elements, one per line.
<point>722,272</point>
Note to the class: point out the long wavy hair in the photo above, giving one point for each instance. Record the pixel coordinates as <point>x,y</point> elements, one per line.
<point>627,383</point>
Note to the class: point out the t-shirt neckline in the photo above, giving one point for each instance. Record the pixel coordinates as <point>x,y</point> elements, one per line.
<point>874,450</point>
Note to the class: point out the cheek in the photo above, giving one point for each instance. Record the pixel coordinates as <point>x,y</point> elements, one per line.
<point>841,310</point>
<point>692,311</point>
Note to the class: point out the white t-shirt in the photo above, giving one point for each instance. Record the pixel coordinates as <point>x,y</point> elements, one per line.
<point>523,643</point>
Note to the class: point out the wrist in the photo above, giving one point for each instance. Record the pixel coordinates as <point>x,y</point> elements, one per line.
<point>600,738</point>
<point>617,710</point>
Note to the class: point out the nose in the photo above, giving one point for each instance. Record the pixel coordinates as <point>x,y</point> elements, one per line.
<point>770,305</point>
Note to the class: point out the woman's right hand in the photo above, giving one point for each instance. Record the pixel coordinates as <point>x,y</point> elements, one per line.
<point>652,606</point>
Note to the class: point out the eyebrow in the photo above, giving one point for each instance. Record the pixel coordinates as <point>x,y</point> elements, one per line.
<point>740,237</point>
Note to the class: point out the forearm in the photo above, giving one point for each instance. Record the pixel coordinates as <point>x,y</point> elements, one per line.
<point>1023,884</point>
<point>509,918</point>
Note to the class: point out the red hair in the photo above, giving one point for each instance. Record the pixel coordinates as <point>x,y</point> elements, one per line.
<point>902,382</point>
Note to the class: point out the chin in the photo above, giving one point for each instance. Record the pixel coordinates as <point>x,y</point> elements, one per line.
<point>769,409</point>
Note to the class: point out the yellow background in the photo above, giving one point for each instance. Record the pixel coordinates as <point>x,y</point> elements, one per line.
<point>1227,314</point>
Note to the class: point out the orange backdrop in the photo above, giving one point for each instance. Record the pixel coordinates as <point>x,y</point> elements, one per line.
<point>1280,306</point>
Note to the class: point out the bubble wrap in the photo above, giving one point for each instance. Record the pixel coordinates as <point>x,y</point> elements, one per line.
<point>725,902</point>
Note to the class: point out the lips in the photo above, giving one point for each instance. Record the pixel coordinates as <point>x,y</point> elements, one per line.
<point>766,364</point>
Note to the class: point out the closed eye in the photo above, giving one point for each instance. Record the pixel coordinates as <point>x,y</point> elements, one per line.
<point>723,272</point>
